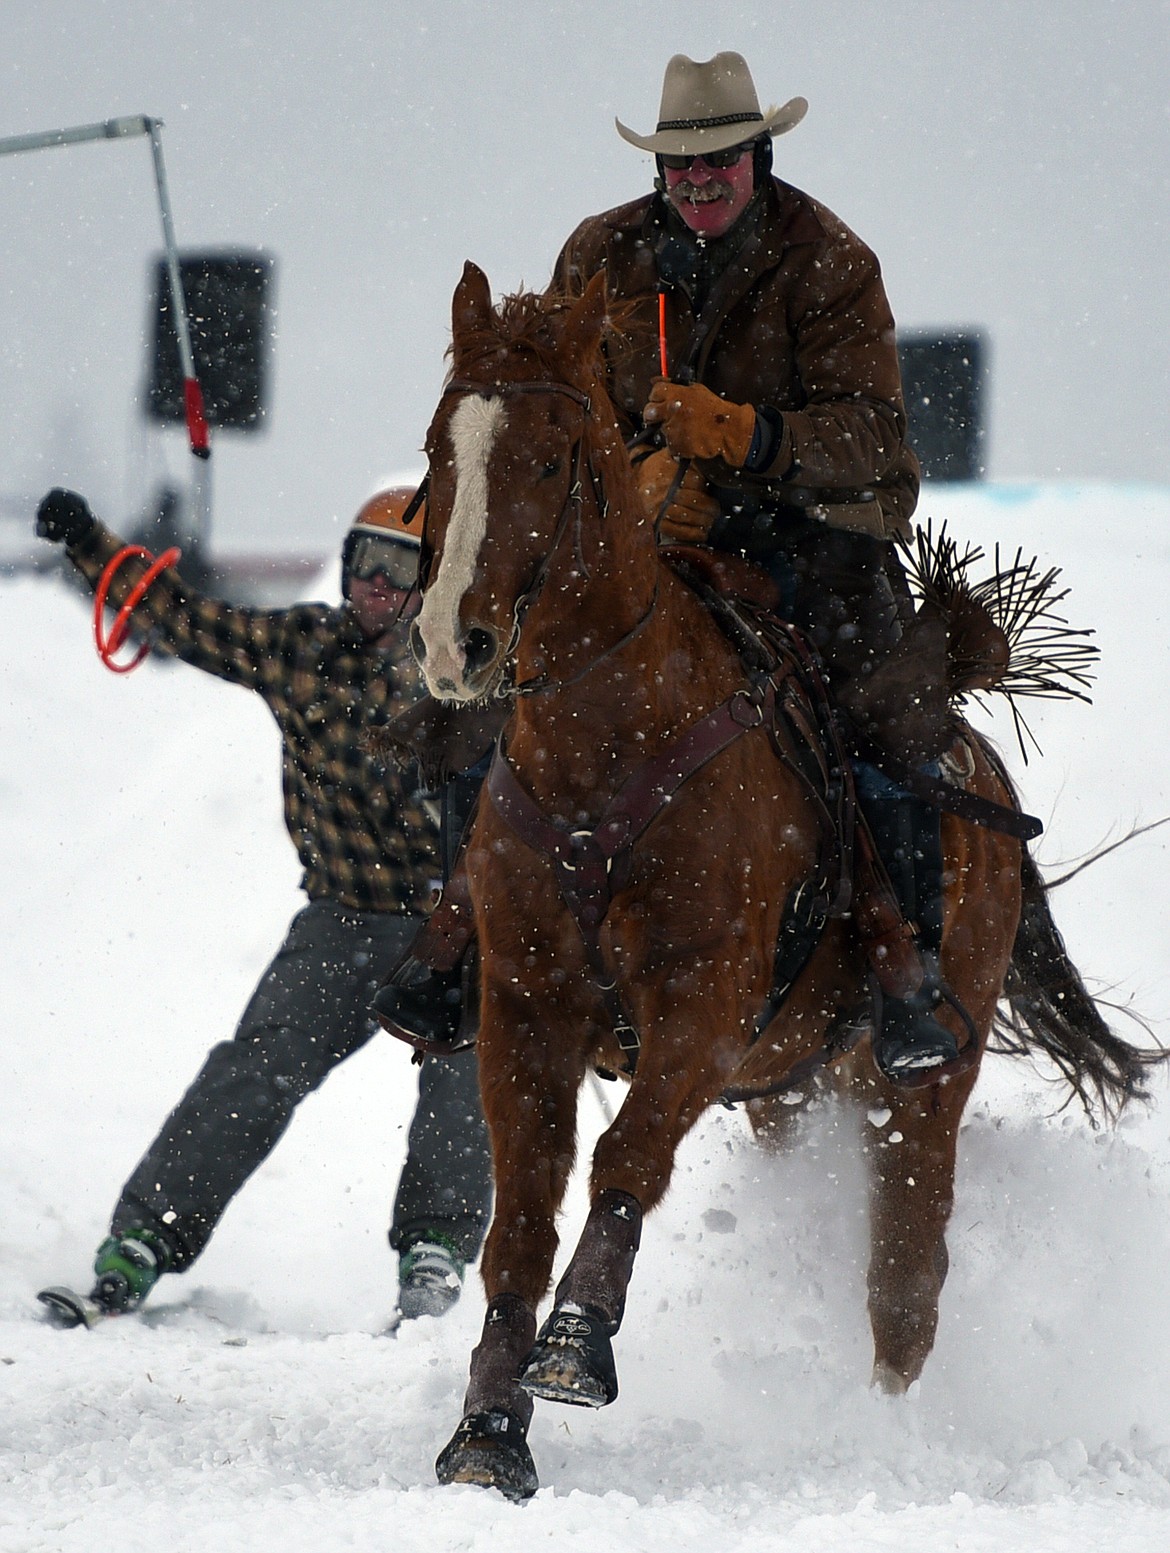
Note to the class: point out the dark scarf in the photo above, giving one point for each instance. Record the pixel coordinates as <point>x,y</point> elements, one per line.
<point>694,264</point>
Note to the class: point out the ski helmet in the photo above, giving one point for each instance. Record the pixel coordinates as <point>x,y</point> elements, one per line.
<point>382,539</point>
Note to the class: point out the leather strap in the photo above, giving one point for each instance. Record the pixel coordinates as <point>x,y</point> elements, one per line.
<point>967,806</point>
<point>592,865</point>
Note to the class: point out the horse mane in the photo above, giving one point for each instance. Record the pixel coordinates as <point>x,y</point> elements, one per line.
<point>524,322</point>
<point>527,325</point>
<point>527,322</point>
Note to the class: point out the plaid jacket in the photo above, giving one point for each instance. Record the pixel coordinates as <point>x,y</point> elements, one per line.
<point>359,828</point>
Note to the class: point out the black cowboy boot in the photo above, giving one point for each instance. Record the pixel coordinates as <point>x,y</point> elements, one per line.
<point>429,999</point>
<point>434,1010</point>
<point>909,1042</point>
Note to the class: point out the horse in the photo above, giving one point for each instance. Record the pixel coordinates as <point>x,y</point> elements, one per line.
<point>641,832</point>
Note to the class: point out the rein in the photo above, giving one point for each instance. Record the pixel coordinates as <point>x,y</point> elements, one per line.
<point>533,687</point>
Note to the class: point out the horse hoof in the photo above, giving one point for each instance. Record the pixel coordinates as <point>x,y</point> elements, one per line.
<point>489,1450</point>
<point>888,1381</point>
<point>572,1361</point>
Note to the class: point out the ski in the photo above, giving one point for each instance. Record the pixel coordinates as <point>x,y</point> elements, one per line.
<point>66,1308</point>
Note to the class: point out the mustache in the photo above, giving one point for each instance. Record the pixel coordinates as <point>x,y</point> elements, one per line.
<point>686,190</point>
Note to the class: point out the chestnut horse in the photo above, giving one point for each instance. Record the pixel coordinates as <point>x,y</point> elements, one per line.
<point>543,582</point>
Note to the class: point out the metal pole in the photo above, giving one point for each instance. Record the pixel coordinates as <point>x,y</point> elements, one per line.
<point>117,129</point>
<point>108,129</point>
<point>192,393</point>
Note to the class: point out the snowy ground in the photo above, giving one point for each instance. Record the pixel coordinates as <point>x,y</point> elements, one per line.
<point>259,1405</point>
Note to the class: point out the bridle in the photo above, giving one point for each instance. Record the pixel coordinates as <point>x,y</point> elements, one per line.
<point>570,516</point>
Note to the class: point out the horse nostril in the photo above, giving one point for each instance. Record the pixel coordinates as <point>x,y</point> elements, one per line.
<point>479,649</point>
<point>417,646</point>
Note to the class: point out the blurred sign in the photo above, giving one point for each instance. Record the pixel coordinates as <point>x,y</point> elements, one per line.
<point>943,385</point>
<point>228,305</point>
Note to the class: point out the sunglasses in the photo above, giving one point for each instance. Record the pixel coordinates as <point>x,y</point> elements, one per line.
<point>714,159</point>
<point>371,557</point>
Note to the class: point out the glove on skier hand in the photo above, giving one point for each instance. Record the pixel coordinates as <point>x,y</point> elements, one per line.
<point>64,517</point>
<point>698,424</point>
<point>692,510</point>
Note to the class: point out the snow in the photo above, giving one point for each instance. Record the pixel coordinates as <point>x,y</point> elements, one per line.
<point>259,1403</point>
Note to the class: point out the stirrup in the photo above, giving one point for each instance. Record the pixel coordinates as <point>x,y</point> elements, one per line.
<point>910,1047</point>
<point>436,1012</point>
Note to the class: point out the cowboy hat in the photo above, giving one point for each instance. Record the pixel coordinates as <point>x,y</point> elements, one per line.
<point>711,106</point>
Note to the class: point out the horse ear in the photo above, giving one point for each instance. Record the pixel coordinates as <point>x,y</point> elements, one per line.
<point>582,337</point>
<point>471,305</point>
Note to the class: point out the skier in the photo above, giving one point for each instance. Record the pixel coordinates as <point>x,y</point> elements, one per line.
<point>330,676</point>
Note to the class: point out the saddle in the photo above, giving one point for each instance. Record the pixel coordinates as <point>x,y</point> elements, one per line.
<point>902,716</point>
<point>823,735</point>
<point>850,878</point>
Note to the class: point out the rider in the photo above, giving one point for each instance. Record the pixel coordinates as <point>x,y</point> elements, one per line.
<point>783,409</point>
<point>780,434</point>
<point>369,849</point>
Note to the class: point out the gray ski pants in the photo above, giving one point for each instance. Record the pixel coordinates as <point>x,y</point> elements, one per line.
<point>309,1012</point>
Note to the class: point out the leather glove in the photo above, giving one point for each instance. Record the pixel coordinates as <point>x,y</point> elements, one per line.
<point>64,517</point>
<point>692,509</point>
<point>698,424</point>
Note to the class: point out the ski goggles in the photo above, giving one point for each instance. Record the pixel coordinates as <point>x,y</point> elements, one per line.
<point>368,556</point>
<point>717,160</point>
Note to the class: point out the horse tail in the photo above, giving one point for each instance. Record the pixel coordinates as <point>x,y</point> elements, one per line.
<point>1047,1010</point>
<point>1005,635</point>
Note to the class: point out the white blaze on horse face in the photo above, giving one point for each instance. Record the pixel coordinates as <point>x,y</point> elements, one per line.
<point>473,430</point>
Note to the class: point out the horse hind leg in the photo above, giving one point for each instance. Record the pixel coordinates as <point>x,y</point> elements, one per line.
<point>912,1164</point>
<point>776,1120</point>
<point>572,1360</point>
<point>912,1168</point>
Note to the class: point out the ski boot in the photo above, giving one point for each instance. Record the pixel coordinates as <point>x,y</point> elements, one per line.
<point>430,1278</point>
<point>127,1268</point>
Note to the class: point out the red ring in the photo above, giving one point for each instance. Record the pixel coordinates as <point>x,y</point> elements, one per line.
<point>107,646</point>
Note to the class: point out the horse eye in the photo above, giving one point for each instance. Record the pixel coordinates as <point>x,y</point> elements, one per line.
<point>553,467</point>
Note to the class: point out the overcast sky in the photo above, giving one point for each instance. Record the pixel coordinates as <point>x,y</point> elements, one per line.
<point>1009,161</point>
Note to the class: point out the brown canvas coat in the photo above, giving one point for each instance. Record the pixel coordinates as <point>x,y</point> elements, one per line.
<point>798,321</point>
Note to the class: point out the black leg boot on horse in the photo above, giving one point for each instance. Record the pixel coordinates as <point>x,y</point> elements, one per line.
<point>490,1446</point>
<point>572,1360</point>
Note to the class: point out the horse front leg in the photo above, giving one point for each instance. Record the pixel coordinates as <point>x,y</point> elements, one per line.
<point>572,1360</point>
<point>677,1077</point>
<point>529,1080</point>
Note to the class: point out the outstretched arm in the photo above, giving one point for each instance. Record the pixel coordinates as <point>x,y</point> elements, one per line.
<point>223,639</point>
